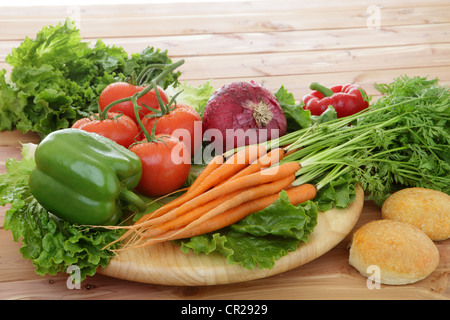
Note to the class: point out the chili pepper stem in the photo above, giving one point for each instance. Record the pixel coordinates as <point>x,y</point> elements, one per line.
<point>322,89</point>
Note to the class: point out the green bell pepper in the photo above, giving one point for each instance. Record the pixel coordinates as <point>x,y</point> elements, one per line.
<point>81,177</point>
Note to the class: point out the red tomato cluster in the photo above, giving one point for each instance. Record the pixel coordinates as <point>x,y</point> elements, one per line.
<point>120,90</point>
<point>166,158</point>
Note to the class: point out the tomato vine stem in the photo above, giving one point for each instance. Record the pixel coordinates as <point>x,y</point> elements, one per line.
<point>167,68</point>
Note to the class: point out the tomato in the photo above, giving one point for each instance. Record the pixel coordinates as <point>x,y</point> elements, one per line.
<point>165,165</point>
<point>118,127</point>
<point>184,121</point>
<point>120,90</point>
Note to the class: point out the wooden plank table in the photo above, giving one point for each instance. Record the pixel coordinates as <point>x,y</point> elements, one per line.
<point>290,43</point>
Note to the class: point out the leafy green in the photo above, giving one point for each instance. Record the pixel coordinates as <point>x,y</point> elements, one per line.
<point>337,193</point>
<point>56,78</point>
<point>296,117</point>
<point>251,251</point>
<point>196,97</point>
<point>51,244</point>
<point>413,147</point>
<point>280,219</point>
<point>11,105</point>
<point>328,115</point>
<point>138,61</point>
<point>15,181</point>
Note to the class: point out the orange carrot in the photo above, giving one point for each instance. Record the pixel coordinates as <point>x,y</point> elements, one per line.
<point>296,196</point>
<point>213,164</point>
<point>220,205</point>
<point>255,193</point>
<point>272,157</point>
<point>254,179</point>
<point>235,163</point>
<point>232,165</point>
<point>186,218</point>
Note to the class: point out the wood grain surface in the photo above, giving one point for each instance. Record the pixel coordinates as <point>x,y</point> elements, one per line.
<point>290,43</point>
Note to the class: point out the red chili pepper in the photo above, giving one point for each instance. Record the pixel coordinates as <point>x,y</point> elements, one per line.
<point>346,100</point>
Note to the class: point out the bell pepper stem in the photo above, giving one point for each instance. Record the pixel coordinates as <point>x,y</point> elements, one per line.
<point>322,89</point>
<point>131,197</point>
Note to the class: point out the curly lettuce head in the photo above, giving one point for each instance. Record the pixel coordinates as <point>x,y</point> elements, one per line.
<point>56,78</point>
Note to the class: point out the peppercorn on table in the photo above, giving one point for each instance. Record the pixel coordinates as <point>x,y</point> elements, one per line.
<point>291,43</point>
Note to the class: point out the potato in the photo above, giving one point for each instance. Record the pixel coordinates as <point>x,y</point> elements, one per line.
<point>428,210</point>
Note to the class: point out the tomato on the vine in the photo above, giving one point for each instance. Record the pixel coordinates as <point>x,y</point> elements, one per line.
<point>165,165</point>
<point>183,118</point>
<point>165,159</point>
<point>117,127</point>
<point>120,90</point>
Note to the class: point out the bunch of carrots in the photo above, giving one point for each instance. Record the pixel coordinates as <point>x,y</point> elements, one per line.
<point>225,192</point>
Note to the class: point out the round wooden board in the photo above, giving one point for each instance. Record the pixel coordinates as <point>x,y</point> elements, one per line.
<point>164,263</point>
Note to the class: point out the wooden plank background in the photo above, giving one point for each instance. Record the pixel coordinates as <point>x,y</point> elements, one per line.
<point>290,43</point>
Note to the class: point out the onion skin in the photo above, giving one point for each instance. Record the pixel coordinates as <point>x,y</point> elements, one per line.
<point>247,110</point>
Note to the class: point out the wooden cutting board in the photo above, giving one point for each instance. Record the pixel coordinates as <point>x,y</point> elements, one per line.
<point>164,263</point>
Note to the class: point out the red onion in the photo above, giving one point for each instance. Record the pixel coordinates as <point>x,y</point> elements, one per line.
<point>242,113</point>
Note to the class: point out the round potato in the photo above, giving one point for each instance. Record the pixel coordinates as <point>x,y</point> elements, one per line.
<point>428,210</point>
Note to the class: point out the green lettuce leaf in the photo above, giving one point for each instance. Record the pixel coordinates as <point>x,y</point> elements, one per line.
<point>328,115</point>
<point>337,193</point>
<point>196,97</point>
<point>281,219</point>
<point>56,78</point>
<point>11,105</point>
<point>15,181</point>
<point>296,117</point>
